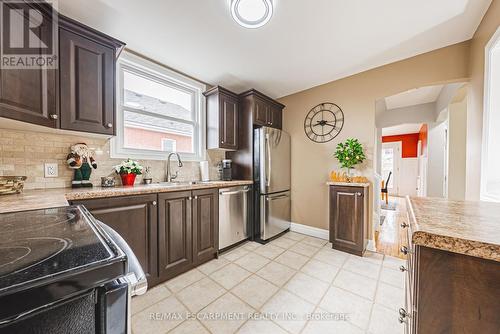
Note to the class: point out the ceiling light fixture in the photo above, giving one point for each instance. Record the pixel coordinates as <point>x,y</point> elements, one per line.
<point>251,13</point>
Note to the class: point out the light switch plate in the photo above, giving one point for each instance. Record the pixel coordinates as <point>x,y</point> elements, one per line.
<point>51,170</point>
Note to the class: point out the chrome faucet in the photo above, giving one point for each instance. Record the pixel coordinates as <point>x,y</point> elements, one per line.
<point>171,177</point>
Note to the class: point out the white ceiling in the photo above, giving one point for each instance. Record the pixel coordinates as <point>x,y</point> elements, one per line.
<point>413,97</point>
<point>401,129</point>
<point>306,43</point>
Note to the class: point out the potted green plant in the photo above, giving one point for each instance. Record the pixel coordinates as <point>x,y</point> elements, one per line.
<point>128,171</point>
<point>349,154</point>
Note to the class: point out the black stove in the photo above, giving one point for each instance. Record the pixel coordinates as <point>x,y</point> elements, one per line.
<point>52,254</point>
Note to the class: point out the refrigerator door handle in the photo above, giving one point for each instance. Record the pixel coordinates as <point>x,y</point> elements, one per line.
<point>277,197</point>
<point>268,156</point>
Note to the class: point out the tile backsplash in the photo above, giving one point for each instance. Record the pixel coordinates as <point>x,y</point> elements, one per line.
<point>26,152</point>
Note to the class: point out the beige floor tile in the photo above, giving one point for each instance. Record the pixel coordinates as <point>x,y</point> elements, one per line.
<point>190,327</point>
<point>143,322</point>
<point>286,303</point>
<point>180,282</point>
<point>255,291</point>
<point>316,242</point>
<point>230,275</point>
<point>393,262</point>
<point>372,257</point>
<point>292,259</point>
<point>392,277</point>
<point>276,273</point>
<point>213,265</point>
<point>251,245</point>
<point>269,251</point>
<point>357,308</point>
<point>225,305</point>
<point>320,270</point>
<point>294,236</point>
<point>307,287</point>
<point>355,283</point>
<point>235,254</point>
<point>384,321</point>
<point>333,257</point>
<point>390,296</point>
<point>252,261</point>
<point>304,249</point>
<point>152,296</point>
<point>358,266</point>
<point>283,242</point>
<point>261,327</point>
<point>331,327</point>
<point>200,294</point>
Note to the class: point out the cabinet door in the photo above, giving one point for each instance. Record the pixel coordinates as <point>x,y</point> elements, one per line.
<point>175,247</point>
<point>205,225</point>
<point>135,219</point>
<point>261,112</point>
<point>347,219</point>
<point>228,118</point>
<point>87,80</point>
<point>29,95</point>
<point>276,116</point>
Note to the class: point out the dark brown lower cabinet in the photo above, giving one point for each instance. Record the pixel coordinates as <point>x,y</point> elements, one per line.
<point>205,225</point>
<point>175,241</point>
<point>188,230</point>
<point>349,218</point>
<point>135,219</point>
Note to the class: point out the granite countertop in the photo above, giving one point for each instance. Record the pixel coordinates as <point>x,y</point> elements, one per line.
<point>348,184</point>
<point>53,198</point>
<point>470,228</point>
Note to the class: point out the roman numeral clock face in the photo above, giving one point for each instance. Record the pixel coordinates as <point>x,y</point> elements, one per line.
<point>324,122</point>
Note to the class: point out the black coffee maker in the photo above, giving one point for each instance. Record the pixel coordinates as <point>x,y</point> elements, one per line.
<point>226,170</point>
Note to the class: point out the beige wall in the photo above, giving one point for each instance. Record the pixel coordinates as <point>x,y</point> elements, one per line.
<point>24,152</point>
<point>356,95</point>
<point>475,98</point>
<point>457,141</point>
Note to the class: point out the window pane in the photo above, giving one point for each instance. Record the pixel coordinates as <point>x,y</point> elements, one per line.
<point>152,96</point>
<point>154,133</point>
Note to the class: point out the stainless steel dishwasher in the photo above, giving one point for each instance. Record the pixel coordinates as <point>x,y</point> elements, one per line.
<point>233,215</point>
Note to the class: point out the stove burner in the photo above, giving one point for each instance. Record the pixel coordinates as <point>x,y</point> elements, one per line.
<point>30,252</point>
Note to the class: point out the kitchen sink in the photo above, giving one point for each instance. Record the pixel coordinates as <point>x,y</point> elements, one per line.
<point>180,183</point>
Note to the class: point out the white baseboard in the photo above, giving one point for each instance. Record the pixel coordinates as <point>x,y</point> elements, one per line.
<point>310,231</point>
<point>371,246</point>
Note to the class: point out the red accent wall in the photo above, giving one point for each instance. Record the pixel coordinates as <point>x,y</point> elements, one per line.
<point>409,146</point>
<point>422,135</point>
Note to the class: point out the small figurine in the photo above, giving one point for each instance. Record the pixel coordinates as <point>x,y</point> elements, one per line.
<point>81,159</point>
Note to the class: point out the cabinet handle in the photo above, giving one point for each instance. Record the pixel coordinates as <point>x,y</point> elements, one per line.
<point>359,194</point>
<point>54,116</point>
<point>196,197</point>
<point>109,125</point>
<point>402,320</point>
<point>190,198</point>
<point>154,203</point>
<point>404,225</point>
<point>403,313</point>
<point>402,269</point>
<point>222,142</point>
<point>405,250</point>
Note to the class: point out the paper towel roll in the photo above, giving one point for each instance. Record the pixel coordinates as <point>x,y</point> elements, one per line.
<point>205,176</point>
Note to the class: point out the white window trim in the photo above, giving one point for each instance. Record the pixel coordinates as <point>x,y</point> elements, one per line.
<point>145,67</point>
<point>488,50</point>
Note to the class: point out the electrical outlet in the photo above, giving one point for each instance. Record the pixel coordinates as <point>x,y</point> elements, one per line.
<point>51,170</point>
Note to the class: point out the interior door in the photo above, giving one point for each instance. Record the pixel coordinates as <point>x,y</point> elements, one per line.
<point>391,161</point>
<point>275,163</point>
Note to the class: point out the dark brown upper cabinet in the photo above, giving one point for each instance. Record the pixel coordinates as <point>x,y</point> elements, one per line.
<point>349,219</point>
<point>205,224</point>
<point>135,219</point>
<point>30,95</point>
<point>265,111</point>
<point>80,94</point>
<point>87,75</point>
<point>222,119</point>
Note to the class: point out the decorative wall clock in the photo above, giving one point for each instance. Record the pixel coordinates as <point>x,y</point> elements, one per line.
<point>324,122</point>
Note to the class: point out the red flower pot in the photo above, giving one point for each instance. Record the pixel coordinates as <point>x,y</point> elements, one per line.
<point>128,179</point>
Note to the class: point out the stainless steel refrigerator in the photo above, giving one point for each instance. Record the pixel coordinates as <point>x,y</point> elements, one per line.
<point>272,177</point>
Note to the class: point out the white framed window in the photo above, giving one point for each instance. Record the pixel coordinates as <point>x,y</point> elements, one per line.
<point>490,159</point>
<point>158,111</point>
